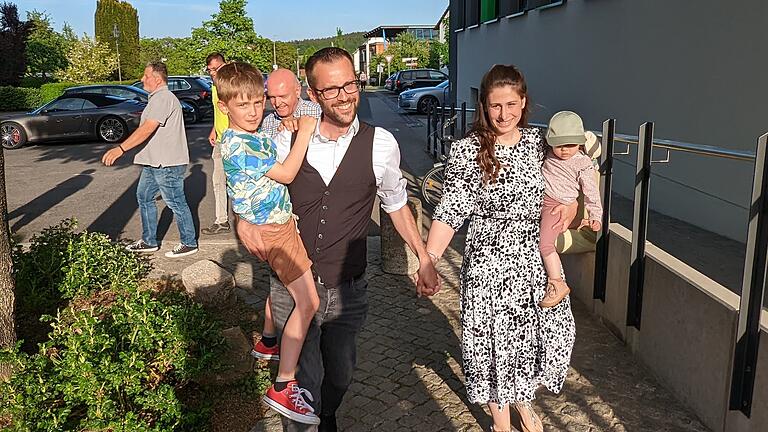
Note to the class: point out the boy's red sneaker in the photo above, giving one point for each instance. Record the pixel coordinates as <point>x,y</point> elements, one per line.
<point>263,352</point>
<point>291,403</point>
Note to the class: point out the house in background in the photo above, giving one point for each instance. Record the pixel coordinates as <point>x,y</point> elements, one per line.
<point>379,38</point>
<point>696,69</point>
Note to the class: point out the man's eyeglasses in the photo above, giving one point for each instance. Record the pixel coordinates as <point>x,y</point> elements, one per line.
<point>351,87</point>
<point>208,70</point>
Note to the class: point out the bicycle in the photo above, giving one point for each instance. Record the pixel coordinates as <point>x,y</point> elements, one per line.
<point>432,183</point>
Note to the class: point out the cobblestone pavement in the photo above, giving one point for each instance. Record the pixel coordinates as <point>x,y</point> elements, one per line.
<point>409,375</point>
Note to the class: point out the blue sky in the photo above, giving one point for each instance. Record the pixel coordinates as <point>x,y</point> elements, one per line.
<point>276,19</point>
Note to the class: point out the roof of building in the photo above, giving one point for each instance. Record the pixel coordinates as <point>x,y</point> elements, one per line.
<point>380,30</point>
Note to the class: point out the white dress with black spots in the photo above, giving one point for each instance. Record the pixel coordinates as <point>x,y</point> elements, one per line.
<point>510,345</point>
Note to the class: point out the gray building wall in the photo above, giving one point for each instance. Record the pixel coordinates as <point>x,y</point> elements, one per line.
<point>695,68</point>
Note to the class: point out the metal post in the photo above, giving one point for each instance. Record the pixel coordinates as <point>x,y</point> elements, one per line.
<point>452,132</point>
<point>463,119</point>
<point>601,248</point>
<point>440,134</point>
<point>429,127</point>
<point>639,225</point>
<point>753,288</point>
<point>116,34</point>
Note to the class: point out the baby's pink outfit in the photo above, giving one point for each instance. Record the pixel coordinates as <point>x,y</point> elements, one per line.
<point>562,180</point>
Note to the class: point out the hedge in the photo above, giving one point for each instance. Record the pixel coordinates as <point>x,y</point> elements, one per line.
<point>22,98</point>
<point>19,98</point>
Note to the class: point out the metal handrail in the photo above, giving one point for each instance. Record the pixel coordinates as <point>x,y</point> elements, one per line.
<point>700,149</point>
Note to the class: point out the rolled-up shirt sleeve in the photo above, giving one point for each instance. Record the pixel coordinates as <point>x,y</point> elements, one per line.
<point>390,184</point>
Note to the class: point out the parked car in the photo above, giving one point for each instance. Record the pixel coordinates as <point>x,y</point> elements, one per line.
<point>192,90</point>
<point>417,78</point>
<point>191,115</point>
<point>423,99</point>
<point>389,83</point>
<point>105,117</point>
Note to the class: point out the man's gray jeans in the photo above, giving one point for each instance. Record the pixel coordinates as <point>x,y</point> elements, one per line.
<point>219,181</point>
<point>329,353</point>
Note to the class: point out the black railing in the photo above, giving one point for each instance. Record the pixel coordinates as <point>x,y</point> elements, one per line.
<point>745,354</point>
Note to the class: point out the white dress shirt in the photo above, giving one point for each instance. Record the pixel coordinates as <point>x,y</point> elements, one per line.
<point>326,155</point>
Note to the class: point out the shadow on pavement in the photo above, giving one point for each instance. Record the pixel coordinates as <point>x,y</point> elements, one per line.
<point>35,208</point>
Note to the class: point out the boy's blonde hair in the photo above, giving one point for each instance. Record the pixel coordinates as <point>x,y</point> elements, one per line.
<point>238,78</point>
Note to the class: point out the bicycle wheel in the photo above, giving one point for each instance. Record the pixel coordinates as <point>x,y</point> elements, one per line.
<point>432,185</point>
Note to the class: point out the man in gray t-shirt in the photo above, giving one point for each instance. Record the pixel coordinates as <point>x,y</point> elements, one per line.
<point>164,157</point>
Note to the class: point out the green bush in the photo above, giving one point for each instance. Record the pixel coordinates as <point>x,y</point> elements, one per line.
<point>119,355</point>
<point>19,98</point>
<point>34,82</point>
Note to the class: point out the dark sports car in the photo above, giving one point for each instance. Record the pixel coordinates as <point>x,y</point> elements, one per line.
<point>191,114</point>
<point>101,116</point>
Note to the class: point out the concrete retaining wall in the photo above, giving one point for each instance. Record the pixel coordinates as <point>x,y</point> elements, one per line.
<point>687,333</point>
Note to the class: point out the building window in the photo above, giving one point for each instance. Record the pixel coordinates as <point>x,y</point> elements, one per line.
<point>511,7</point>
<point>489,10</point>
<point>472,12</point>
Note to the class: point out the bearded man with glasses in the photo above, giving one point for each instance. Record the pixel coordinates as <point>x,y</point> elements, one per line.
<point>348,164</point>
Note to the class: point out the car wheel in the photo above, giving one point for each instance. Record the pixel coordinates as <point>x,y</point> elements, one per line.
<point>13,135</point>
<point>193,116</point>
<point>426,104</point>
<point>112,129</point>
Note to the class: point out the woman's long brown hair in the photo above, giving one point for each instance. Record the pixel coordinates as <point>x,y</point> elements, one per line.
<point>497,76</point>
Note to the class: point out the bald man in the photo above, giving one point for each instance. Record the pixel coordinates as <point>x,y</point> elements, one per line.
<point>284,93</point>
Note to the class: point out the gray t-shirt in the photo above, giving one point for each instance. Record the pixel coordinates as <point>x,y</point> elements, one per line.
<point>168,145</point>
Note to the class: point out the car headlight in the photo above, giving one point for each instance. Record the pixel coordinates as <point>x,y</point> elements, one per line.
<point>407,95</point>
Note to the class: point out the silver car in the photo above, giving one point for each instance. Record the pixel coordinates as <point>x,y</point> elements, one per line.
<point>422,99</point>
<point>101,116</point>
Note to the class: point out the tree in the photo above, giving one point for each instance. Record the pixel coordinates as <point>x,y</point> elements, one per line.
<point>89,60</point>
<point>230,31</point>
<point>177,53</point>
<point>45,51</point>
<point>120,14</point>
<point>7,284</point>
<point>405,45</point>
<point>13,40</point>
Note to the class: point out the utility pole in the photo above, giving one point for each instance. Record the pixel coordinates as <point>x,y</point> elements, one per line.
<point>297,63</point>
<point>274,55</point>
<point>116,34</point>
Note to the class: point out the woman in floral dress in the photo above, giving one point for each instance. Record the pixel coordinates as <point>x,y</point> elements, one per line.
<point>510,345</point>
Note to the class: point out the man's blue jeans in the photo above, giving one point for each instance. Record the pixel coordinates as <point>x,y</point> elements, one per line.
<point>169,182</point>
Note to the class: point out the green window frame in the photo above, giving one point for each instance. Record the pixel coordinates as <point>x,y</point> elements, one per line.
<point>489,10</point>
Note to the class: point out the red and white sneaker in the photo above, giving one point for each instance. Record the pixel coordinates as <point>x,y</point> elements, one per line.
<point>263,352</point>
<point>291,403</point>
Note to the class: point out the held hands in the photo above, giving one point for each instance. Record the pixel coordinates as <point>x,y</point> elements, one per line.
<point>428,282</point>
<point>594,225</point>
<point>112,155</point>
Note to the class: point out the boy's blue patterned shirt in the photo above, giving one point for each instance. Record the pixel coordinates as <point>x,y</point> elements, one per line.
<point>255,197</point>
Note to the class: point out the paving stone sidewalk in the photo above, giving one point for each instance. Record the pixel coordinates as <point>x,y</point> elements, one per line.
<point>409,375</point>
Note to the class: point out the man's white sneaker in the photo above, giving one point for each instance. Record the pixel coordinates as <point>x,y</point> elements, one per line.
<point>141,247</point>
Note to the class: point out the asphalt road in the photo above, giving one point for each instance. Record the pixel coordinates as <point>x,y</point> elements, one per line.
<point>47,183</point>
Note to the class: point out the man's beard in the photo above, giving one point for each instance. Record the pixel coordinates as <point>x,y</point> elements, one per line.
<point>340,119</point>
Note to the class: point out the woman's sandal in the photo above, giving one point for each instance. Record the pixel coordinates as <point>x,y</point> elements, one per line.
<point>557,289</point>
<point>530,421</point>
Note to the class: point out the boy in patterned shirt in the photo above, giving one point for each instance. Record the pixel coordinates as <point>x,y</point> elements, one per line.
<point>256,182</point>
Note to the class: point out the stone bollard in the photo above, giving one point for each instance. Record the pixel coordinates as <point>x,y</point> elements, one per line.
<point>396,256</point>
<point>208,283</point>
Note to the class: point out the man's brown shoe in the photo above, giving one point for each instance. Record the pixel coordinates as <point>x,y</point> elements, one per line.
<point>217,228</point>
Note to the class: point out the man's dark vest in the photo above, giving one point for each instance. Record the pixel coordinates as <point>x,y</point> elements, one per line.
<point>334,219</point>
